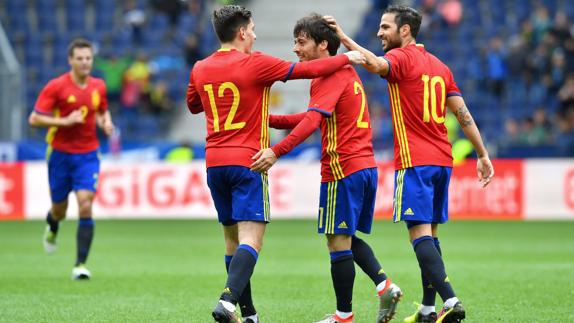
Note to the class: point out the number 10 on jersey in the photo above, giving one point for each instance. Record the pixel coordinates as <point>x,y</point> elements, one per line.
<point>431,89</point>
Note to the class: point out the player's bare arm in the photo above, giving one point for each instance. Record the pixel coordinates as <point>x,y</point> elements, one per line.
<point>356,57</point>
<point>373,63</point>
<point>40,120</point>
<point>104,121</point>
<point>484,166</point>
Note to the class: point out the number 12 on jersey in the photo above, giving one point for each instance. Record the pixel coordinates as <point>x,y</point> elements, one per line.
<point>229,124</point>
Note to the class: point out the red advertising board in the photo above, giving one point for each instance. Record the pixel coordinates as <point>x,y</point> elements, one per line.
<point>502,199</point>
<point>11,191</point>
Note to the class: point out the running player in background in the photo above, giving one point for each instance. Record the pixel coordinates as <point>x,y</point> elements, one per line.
<point>339,107</point>
<point>232,87</point>
<point>420,86</point>
<point>72,105</point>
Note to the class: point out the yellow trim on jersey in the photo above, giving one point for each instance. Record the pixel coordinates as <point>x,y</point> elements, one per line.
<point>331,150</point>
<point>266,206</point>
<point>399,194</point>
<point>399,125</point>
<point>51,134</point>
<point>224,49</point>
<point>331,207</point>
<point>264,140</point>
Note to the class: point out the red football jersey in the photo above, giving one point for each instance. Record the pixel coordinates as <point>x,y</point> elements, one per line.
<point>346,136</point>
<point>232,88</point>
<point>59,98</point>
<point>419,84</point>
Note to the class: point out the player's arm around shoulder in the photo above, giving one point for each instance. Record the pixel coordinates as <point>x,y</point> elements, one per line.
<point>484,166</point>
<point>372,63</point>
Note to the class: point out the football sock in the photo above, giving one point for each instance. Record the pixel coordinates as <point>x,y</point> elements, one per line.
<point>84,239</point>
<point>365,258</point>
<point>53,223</point>
<point>450,302</point>
<point>426,310</point>
<point>228,306</point>
<point>240,270</point>
<point>253,318</point>
<point>344,315</point>
<point>245,300</point>
<point>429,293</point>
<point>432,266</point>
<point>343,275</point>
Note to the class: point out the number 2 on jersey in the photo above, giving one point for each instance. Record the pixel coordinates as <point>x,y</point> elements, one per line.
<point>433,101</point>
<point>228,125</point>
<point>361,124</point>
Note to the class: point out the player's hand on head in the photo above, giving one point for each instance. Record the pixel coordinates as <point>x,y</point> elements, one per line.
<point>73,118</point>
<point>264,159</point>
<point>332,22</point>
<point>485,170</point>
<point>356,57</point>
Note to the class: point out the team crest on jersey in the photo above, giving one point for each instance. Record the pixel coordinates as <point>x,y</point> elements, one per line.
<point>71,99</point>
<point>95,99</point>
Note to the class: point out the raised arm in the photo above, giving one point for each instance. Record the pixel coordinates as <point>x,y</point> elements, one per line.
<point>324,66</point>
<point>266,158</point>
<point>373,63</point>
<point>484,166</point>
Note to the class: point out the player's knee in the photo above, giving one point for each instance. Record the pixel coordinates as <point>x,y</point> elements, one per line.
<point>58,215</point>
<point>85,207</point>
<point>254,243</point>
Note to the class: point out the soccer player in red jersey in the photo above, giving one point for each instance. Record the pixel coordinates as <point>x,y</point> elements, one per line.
<point>338,106</point>
<point>232,87</point>
<point>420,86</point>
<point>71,105</point>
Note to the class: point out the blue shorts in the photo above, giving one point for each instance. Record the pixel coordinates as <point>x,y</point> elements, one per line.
<point>239,194</point>
<point>348,205</point>
<point>72,172</point>
<point>421,194</point>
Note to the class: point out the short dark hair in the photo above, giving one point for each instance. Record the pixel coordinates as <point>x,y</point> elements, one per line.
<point>406,16</point>
<point>316,28</point>
<point>228,19</point>
<point>78,43</point>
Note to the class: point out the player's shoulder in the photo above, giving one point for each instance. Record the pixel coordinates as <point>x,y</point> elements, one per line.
<point>58,82</point>
<point>96,81</point>
<point>343,75</point>
<point>261,57</point>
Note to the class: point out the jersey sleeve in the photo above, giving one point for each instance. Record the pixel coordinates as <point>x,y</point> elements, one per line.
<point>304,129</point>
<point>325,94</point>
<point>269,69</point>
<point>397,60</point>
<point>48,99</point>
<point>318,67</point>
<point>285,121</point>
<point>193,99</point>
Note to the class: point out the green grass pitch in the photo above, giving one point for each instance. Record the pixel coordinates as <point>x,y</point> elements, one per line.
<point>173,271</point>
